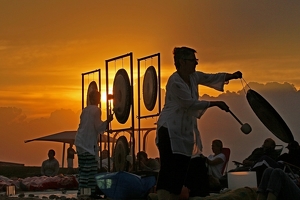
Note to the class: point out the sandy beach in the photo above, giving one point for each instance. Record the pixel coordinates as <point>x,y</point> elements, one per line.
<point>49,194</point>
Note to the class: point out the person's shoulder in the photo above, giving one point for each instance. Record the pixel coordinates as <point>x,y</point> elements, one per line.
<point>152,159</point>
<point>210,156</point>
<point>174,76</point>
<point>92,109</point>
<point>259,149</point>
<point>222,155</point>
<point>45,161</point>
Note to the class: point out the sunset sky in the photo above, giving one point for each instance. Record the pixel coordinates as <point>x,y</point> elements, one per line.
<point>45,46</point>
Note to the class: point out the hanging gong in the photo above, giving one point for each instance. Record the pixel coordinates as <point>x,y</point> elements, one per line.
<point>92,86</point>
<point>269,116</point>
<point>120,153</point>
<point>122,96</point>
<point>150,88</point>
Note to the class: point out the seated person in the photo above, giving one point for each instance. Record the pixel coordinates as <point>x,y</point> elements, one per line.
<point>204,172</point>
<point>146,164</point>
<point>293,155</point>
<point>104,161</point>
<point>267,149</point>
<point>215,164</point>
<point>50,166</point>
<point>292,158</point>
<point>276,184</point>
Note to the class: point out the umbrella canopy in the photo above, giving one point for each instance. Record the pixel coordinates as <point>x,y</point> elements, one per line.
<point>65,137</point>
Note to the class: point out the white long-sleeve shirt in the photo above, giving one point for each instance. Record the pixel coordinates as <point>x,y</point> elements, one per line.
<point>183,107</point>
<point>89,129</point>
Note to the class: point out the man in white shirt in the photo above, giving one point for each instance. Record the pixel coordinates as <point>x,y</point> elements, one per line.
<point>215,163</point>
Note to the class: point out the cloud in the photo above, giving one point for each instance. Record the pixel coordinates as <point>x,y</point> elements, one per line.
<point>15,127</point>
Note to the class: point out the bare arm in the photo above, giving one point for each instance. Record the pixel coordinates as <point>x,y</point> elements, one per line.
<point>214,161</point>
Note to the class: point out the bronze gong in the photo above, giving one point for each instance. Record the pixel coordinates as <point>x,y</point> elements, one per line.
<point>92,86</point>
<point>150,88</point>
<point>269,116</point>
<point>120,153</point>
<point>122,96</point>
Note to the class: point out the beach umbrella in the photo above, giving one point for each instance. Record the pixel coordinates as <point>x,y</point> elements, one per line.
<point>65,137</point>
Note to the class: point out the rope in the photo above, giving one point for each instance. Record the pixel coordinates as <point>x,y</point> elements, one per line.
<point>242,79</point>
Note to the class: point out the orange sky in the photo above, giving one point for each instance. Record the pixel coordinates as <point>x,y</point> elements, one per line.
<point>46,45</point>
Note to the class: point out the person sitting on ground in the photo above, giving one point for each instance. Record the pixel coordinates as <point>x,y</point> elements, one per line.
<point>215,163</point>
<point>146,164</point>
<point>104,159</point>
<point>50,166</point>
<point>292,158</point>
<point>293,155</point>
<point>267,149</point>
<point>276,184</point>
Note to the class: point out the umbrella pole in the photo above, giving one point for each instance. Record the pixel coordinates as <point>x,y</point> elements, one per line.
<point>63,155</point>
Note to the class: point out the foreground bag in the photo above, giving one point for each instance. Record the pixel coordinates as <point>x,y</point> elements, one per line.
<point>124,185</point>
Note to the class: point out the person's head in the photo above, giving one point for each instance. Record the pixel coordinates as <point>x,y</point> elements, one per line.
<point>94,97</point>
<point>51,154</point>
<point>185,59</point>
<point>269,143</point>
<point>142,156</point>
<point>217,146</point>
<point>104,154</point>
<point>293,146</point>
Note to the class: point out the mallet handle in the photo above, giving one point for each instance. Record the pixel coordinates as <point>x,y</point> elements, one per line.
<point>235,117</point>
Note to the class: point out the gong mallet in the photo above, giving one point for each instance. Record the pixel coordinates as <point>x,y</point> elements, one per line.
<point>246,128</point>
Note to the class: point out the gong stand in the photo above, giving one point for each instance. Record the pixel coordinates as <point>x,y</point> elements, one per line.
<point>123,74</point>
<point>82,85</point>
<point>151,87</point>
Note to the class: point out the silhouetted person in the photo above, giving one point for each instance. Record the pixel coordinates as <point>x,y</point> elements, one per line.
<point>293,155</point>
<point>276,184</point>
<point>177,131</point>
<point>147,164</point>
<point>50,167</point>
<point>86,141</point>
<point>104,159</point>
<point>70,158</point>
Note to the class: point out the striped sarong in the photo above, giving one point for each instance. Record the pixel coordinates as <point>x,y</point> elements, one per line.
<point>88,167</point>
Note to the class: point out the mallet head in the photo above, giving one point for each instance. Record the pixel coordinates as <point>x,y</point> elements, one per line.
<point>246,128</point>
